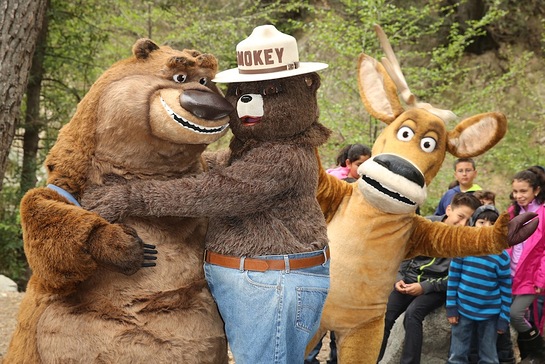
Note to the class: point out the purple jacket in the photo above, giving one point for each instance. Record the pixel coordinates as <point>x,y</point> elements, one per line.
<point>530,270</point>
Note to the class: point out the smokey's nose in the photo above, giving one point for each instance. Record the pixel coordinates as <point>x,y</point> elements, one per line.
<point>246,99</point>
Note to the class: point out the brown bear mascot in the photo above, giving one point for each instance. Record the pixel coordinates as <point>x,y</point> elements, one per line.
<point>267,259</point>
<point>89,300</point>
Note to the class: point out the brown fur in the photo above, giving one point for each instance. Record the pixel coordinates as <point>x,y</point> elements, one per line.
<point>371,229</point>
<point>88,299</point>
<point>263,202</point>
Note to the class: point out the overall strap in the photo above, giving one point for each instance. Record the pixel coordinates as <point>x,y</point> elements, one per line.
<point>64,193</point>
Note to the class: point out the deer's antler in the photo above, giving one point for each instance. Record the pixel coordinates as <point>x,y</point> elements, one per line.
<point>393,68</point>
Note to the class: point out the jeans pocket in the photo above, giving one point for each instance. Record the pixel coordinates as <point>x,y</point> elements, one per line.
<point>262,280</point>
<point>310,302</point>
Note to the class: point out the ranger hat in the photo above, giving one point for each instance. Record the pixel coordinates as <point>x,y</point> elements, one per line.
<point>265,55</point>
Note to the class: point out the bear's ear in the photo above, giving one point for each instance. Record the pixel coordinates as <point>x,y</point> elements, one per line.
<point>312,80</point>
<point>143,47</point>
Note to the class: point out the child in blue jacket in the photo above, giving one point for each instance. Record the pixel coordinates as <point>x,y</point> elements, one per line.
<point>478,298</point>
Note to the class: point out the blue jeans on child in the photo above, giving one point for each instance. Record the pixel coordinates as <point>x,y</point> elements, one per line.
<point>460,341</point>
<point>270,316</point>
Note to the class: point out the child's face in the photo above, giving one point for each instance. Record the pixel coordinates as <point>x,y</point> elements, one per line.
<point>523,193</point>
<point>458,216</point>
<point>485,201</point>
<point>354,166</point>
<point>483,222</point>
<point>465,173</point>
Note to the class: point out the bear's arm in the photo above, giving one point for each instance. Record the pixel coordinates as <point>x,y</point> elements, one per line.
<point>216,159</point>
<point>436,239</point>
<point>254,183</point>
<point>56,235</point>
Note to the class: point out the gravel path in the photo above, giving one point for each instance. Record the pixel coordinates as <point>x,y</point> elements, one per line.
<point>9,306</point>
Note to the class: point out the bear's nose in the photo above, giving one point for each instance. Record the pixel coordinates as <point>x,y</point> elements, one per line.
<point>205,105</point>
<point>246,98</point>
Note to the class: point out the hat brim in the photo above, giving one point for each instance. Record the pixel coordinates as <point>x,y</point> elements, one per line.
<point>232,75</point>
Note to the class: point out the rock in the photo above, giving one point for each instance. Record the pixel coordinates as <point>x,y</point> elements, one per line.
<point>7,285</point>
<point>436,342</point>
<point>436,336</point>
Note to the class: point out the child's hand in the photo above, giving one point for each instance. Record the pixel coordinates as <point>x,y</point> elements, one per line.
<point>400,286</point>
<point>453,320</point>
<point>413,289</point>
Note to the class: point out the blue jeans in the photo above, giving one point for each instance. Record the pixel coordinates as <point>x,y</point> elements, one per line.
<point>504,348</point>
<point>460,341</point>
<point>270,316</point>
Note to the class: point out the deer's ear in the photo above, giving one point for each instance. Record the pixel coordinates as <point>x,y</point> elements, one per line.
<point>377,90</point>
<point>477,134</point>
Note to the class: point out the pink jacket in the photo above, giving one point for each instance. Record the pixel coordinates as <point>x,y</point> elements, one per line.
<point>339,172</point>
<point>530,270</point>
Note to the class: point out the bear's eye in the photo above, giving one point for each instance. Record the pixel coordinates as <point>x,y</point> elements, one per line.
<point>179,77</point>
<point>271,90</point>
<point>238,91</point>
<point>203,81</point>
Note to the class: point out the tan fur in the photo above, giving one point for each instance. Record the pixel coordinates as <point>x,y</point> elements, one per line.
<point>372,231</point>
<point>88,300</point>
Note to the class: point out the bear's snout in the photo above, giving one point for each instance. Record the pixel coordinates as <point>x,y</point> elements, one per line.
<point>250,105</point>
<point>205,105</point>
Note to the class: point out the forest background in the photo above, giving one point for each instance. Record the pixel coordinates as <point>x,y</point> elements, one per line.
<point>469,56</point>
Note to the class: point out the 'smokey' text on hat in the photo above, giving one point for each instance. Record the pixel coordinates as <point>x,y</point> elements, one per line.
<point>249,58</point>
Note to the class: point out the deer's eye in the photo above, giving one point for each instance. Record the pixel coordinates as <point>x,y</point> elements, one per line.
<point>405,134</point>
<point>428,144</point>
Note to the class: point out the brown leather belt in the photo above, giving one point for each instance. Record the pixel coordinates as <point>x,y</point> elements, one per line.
<point>262,265</point>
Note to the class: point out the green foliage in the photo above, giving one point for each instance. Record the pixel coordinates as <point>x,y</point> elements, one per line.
<point>12,258</point>
<point>429,37</point>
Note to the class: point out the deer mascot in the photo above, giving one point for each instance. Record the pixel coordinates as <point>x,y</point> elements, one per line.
<point>372,224</point>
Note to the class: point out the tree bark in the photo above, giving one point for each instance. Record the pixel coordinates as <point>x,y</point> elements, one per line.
<point>20,24</point>
<point>33,124</point>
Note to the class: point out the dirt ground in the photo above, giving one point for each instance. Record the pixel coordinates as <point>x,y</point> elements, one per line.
<point>9,305</point>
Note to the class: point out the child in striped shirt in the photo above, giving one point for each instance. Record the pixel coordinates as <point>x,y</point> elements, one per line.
<point>478,297</point>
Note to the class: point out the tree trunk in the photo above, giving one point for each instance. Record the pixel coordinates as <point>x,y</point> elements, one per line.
<point>471,11</point>
<point>20,23</point>
<point>33,124</point>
